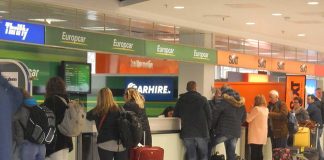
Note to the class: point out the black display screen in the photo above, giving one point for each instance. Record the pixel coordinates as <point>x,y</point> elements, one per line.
<point>77,77</point>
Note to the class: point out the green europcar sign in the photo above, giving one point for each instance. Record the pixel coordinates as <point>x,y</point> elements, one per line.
<point>73,39</point>
<point>93,41</point>
<point>125,45</point>
<point>179,52</point>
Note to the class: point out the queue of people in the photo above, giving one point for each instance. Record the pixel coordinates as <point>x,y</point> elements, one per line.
<point>204,123</point>
<point>224,114</point>
<point>105,114</point>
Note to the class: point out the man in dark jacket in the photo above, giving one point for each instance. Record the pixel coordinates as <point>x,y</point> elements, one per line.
<point>10,100</point>
<point>278,129</point>
<point>315,115</point>
<point>194,111</point>
<point>227,118</point>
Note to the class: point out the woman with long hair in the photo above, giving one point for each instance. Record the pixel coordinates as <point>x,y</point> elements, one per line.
<point>258,127</point>
<point>59,148</point>
<point>134,101</point>
<point>106,114</point>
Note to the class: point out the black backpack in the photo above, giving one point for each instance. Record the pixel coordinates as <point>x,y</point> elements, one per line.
<point>130,129</point>
<point>40,127</point>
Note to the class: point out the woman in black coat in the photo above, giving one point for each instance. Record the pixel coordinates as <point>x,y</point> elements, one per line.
<point>134,101</point>
<point>106,114</point>
<point>61,145</point>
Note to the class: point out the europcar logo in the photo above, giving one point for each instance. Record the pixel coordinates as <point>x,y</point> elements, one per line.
<point>150,89</point>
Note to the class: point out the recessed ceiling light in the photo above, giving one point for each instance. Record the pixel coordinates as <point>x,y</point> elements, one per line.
<point>178,7</point>
<point>276,14</point>
<point>250,23</point>
<point>301,35</point>
<point>100,28</point>
<point>4,12</point>
<point>48,20</point>
<point>312,3</point>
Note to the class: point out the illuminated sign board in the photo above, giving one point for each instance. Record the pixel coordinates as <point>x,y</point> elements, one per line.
<point>153,89</point>
<point>310,86</point>
<point>22,32</point>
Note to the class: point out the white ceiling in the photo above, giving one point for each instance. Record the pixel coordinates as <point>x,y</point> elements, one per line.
<point>206,15</point>
<point>298,17</point>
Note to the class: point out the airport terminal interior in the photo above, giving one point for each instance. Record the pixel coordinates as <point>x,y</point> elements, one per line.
<point>260,52</point>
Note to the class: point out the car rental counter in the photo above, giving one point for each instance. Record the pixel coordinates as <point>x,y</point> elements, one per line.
<point>166,134</point>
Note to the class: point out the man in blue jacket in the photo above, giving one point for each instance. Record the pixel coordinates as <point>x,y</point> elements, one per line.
<point>315,115</point>
<point>10,99</point>
<point>194,111</point>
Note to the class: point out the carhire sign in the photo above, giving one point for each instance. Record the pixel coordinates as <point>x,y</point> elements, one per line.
<point>22,32</point>
<point>153,89</point>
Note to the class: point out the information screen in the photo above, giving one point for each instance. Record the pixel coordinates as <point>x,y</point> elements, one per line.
<point>77,77</point>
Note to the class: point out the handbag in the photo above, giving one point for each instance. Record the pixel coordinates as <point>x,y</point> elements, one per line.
<point>302,137</point>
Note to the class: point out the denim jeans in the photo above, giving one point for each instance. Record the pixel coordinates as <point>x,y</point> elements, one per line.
<point>230,145</point>
<point>32,151</point>
<point>196,148</point>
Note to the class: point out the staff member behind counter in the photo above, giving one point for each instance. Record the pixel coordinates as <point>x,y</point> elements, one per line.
<point>167,112</point>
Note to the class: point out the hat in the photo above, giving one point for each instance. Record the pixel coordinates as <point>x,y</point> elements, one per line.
<point>30,102</point>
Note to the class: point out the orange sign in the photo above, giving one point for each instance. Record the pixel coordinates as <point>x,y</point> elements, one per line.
<point>319,70</point>
<point>120,64</point>
<point>243,60</point>
<point>293,67</point>
<point>295,87</point>
<point>244,89</point>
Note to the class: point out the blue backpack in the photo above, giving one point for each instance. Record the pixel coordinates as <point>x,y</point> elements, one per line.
<point>292,123</point>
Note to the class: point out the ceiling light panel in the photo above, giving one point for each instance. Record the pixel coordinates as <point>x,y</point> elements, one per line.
<point>250,23</point>
<point>301,35</point>
<point>178,7</point>
<point>313,3</point>
<point>276,14</point>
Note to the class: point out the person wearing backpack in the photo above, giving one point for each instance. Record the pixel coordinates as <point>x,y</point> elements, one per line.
<point>134,102</point>
<point>106,114</point>
<point>26,150</point>
<point>61,145</point>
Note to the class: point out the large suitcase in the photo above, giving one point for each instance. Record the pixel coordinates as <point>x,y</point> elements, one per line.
<point>146,153</point>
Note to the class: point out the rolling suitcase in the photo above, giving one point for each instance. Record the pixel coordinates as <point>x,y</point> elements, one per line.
<point>146,153</point>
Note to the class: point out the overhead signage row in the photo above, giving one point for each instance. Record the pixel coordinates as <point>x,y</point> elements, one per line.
<point>264,63</point>
<point>117,44</point>
<point>39,34</point>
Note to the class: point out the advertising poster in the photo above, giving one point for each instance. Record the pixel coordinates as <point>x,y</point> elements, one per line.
<point>12,77</point>
<point>295,87</point>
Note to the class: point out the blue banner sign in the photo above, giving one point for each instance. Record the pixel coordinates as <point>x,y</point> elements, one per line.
<point>152,88</point>
<point>22,32</point>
